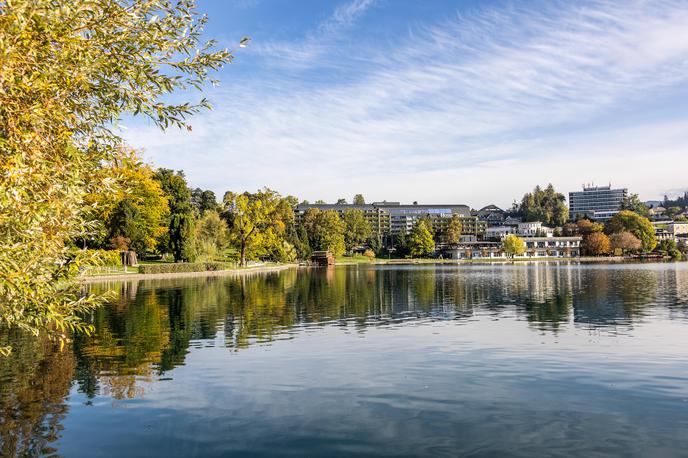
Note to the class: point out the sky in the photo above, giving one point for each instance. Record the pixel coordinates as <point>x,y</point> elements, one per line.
<point>472,102</point>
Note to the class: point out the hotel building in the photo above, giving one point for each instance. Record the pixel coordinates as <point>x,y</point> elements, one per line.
<point>390,218</point>
<point>596,202</point>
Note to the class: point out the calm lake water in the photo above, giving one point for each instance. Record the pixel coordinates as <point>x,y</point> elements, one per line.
<point>432,360</point>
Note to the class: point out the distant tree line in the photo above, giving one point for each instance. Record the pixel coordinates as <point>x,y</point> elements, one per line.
<point>162,216</point>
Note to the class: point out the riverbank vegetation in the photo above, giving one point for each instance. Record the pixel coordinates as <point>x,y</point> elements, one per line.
<point>75,195</point>
<point>69,71</point>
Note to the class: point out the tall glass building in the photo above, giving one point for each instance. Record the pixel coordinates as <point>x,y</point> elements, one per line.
<point>596,202</point>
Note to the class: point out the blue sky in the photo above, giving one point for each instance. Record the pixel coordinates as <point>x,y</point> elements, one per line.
<point>439,101</point>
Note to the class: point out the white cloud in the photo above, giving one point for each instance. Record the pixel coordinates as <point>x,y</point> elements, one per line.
<point>471,110</point>
<point>316,44</point>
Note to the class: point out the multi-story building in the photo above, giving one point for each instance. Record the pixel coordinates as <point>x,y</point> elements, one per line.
<point>536,247</point>
<point>523,229</point>
<point>671,230</point>
<point>499,232</point>
<point>378,220</point>
<point>391,218</point>
<point>678,228</point>
<point>492,214</point>
<point>596,202</point>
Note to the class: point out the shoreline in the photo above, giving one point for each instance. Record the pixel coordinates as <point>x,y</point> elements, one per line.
<point>173,275</point>
<point>376,262</point>
<point>614,259</point>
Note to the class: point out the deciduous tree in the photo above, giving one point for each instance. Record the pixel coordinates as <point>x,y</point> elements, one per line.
<point>212,235</point>
<point>421,242</point>
<point>586,227</point>
<point>357,228</point>
<point>138,212</point>
<point>256,223</point>
<point>329,232</point>
<point>625,241</point>
<point>513,245</point>
<point>639,226</point>
<point>453,232</point>
<point>203,200</point>
<point>596,243</point>
<point>69,69</point>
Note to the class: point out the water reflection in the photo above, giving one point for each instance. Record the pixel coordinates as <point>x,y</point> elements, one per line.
<point>34,383</point>
<point>151,327</point>
<point>149,330</point>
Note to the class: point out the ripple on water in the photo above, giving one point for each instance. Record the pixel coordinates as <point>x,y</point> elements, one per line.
<point>441,360</point>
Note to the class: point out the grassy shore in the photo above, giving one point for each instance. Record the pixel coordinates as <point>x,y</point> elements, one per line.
<point>132,273</point>
<point>271,267</point>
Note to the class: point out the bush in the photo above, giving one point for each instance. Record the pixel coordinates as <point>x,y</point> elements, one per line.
<point>368,253</point>
<point>182,267</point>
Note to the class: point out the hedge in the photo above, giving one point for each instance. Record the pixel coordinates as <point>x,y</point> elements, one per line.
<point>168,268</point>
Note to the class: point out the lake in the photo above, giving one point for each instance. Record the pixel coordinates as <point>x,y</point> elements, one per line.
<point>541,359</point>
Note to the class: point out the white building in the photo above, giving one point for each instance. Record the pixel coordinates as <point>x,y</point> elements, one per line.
<point>678,228</point>
<point>528,229</point>
<point>499,232</point>
<point>534,229</point>
<point>536,247</point>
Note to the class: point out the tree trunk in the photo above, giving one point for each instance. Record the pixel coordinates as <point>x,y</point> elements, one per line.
<point>242,260</point>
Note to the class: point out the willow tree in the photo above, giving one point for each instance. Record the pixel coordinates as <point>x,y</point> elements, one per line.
<point>69,70</point>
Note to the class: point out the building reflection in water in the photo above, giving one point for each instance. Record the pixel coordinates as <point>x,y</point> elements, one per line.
<point>150,327</point>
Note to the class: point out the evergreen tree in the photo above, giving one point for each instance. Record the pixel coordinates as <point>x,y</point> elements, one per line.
<point>126,222</point>
<point>545,205</point>
<point>203,201</point>
<point>180,239</point>
<point>634,204</point>
<point>401,244</point>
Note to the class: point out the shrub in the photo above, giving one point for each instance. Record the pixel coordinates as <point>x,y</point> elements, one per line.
<point>182,267</point>
<point>368,253</point>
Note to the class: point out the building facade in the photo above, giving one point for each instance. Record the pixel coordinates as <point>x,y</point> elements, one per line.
<point>536,247</point>
<point>391,218</point>
<point>678,228</point>
<point>596,202</point>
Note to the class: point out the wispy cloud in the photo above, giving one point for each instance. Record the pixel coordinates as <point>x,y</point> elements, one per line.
<point>481,107</point>
<point>317,42</point>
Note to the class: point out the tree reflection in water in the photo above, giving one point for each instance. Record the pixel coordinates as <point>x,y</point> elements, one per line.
<point>149,329</point>
<point>34,383</point>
